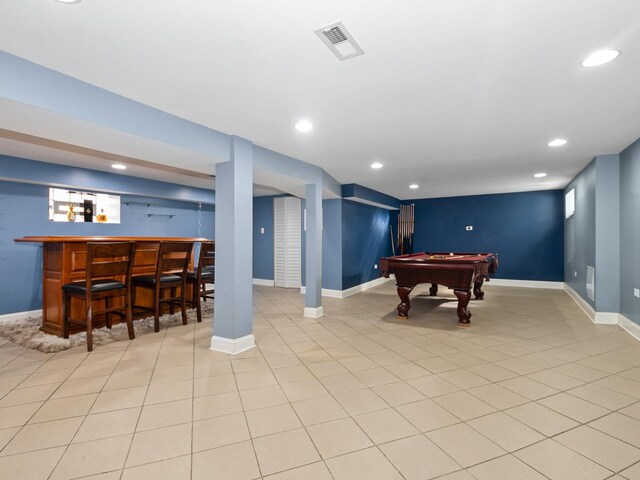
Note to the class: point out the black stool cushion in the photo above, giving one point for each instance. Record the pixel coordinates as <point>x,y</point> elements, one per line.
<point>205,275</point>
<point>151,279</point>
<point>96,286</point>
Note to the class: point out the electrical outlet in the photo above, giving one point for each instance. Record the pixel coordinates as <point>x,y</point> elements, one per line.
<point>469,228</point>
<point>575,274</point>
<point>375,267</point>
<point>636,292</point>
<point>262,230</point>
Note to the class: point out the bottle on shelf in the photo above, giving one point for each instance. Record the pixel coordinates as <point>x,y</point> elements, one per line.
<point>102,217</point>
<point>71,214</point>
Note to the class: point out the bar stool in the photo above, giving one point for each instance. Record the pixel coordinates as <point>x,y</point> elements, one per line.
<point>203,275</point>
<point>108,276</point>
<point>171,273</point>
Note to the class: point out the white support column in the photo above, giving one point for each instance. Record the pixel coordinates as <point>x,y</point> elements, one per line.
<point>233,313</point>
<point>313,255</point>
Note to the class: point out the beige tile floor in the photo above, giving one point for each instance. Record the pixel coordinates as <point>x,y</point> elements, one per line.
<point>532,390</point>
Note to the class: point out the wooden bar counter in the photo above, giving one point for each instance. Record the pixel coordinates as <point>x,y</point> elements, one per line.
<point>64,261</point>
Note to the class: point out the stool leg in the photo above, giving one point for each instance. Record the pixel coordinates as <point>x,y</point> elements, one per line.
<point>129,313</point>
<point>156,310</point>
<point>89,328</point>
<point>107,305</point>
<point>172,309</point>
<point>133,296</point>
<point>65,315</point>
<point>197,299</point>
<point>183,302</point>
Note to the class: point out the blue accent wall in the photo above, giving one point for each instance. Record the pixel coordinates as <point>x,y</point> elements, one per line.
<point>24,210</point>
<point>365,239</point>
<point>630,231</point>
<point>524,229</point>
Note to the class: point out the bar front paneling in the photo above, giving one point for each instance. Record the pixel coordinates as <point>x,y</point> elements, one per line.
<point>64,260</point>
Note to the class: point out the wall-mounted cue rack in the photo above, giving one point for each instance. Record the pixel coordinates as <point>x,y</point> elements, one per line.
<point>406,227</point>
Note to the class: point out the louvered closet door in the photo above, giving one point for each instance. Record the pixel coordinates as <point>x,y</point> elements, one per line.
<point>279,235</point>
<point>287,242</point>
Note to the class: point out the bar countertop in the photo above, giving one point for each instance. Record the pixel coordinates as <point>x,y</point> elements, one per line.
<point>80,239</point>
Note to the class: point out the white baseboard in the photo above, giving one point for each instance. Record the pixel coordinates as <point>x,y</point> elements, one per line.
<point>263,281</point>
<point>364,286</point>
<point>582,303</point>
<point>310,312</point>
<point>12,317</point>
<point>326,292</point>
<point>232,346</point>
<point>631,327</point>
<point>504,282</point>
<point>607,318</point>
<point>604,318</point>
<point>500,282</point>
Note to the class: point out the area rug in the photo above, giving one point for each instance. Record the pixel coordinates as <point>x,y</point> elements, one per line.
<point>26,332</point>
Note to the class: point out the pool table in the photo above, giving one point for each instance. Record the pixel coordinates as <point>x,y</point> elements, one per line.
<point>461,272</point>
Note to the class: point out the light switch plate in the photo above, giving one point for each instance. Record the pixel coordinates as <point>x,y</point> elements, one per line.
<point>636,292</point>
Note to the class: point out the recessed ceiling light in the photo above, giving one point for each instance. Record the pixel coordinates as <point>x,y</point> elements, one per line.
<point>558,142</point>
<point>304,126</point>
<point>540,175</point>
<point>376,165</point>
<point>600,57</point>
<point>119,166</point>
<point>414,186</point>
<point>68,1</point>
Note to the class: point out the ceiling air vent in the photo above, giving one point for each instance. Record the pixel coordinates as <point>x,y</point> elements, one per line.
<point>339,40</point>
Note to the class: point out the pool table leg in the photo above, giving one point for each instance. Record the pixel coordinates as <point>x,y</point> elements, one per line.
<point>405,304</point>
<point>477,289</point>
<point>464,315</point>
<point>433,290</point>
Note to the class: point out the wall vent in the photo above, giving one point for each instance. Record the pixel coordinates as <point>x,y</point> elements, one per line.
<point>591,283</point>
<point>339,40</point>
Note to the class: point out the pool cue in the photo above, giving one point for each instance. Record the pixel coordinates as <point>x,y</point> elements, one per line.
<point>412,226</point>
<point>393,247</point>
<point>401,234</point>
<point>406,229</point>
<point>400,231</point>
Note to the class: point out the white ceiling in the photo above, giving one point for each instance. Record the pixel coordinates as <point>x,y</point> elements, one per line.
<point>460,96</point>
